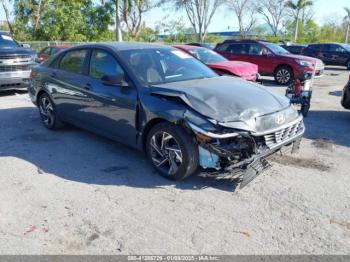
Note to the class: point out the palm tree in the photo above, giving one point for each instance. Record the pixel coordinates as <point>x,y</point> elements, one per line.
<point>120,6</point>
<point>297,7</point>
<point>347,21</point>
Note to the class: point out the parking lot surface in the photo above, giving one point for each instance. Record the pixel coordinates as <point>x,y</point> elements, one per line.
<point>72,192</point>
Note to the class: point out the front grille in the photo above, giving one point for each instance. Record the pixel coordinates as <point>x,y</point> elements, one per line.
<point>14,68</point>
<point>14,56</point>
<point>284,134</point>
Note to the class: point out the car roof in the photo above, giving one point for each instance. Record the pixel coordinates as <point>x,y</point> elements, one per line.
<point>121,46</point>
<point>245,41</point>
<point>188,47</point>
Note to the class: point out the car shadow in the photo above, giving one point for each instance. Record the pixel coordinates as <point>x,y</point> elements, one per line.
<point>330,125</point>
<point>12,92</point>
<point>336,68</point>
<point>77,155</point>
<point>336,93</point>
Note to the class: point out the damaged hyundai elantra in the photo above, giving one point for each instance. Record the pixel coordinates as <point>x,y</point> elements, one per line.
<point>163,101</point>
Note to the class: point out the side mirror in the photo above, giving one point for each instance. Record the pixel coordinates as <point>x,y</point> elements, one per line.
<point>25,45</point>
<point>114,80</point>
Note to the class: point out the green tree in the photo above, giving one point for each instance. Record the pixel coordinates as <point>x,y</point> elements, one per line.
<point>297,7</point>
<point>64,20</point>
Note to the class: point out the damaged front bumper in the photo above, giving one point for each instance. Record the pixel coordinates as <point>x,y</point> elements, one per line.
<point>245,153</point>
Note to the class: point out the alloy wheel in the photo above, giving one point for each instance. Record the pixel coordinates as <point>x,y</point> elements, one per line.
<point>46,111</point>
<point>283,76</point>
<point>166,153</point>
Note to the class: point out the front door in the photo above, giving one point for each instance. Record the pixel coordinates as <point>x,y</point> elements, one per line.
<point>261,56</point>
<point>112,108</point>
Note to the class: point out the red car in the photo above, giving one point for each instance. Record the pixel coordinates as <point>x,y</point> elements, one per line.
<point>46,52</point>
<point>220,64</point>
<point>272,59</point>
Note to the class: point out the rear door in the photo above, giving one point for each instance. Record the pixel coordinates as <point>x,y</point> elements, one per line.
<point>67,84</point>
<point>328,54</point>
<point>112,108</point>
<point>313,50</point>
<point>339,54</point>
<point>234,51</point>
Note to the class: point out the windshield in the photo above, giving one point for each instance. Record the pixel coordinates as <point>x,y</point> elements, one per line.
<point>162,65</point>
<point>207,56</point>
<point>277,49</point>
<point>346,46</point>
<point>7,41</point>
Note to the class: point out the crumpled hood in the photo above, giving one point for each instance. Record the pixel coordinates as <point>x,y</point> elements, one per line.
<point>236,67</point>
<point>224,99</point>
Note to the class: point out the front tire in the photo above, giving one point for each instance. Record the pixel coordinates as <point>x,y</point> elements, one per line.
<point>172,151</point>
<point>283,75</point>
<point>48,113</point>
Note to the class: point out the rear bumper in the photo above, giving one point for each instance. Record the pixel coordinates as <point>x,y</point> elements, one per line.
<point>14,80</point>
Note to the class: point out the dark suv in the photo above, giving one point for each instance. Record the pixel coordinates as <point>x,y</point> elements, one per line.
<point>330,53</point>
<point>272,59</point>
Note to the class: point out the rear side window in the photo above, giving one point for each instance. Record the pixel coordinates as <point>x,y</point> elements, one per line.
<point>73,61</point>
<point>315,47</point>
<point>238,49</point>
<point>222,47</point>
<point>102,63</point>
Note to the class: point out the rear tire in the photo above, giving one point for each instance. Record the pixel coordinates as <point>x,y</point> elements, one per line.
<point>172,151</point>
<point>48,113</point>
<point>283,75</point>
<point>348,65</point>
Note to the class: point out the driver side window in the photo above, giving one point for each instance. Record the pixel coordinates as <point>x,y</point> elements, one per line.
<point>102,63</point>
<point>256,49</point>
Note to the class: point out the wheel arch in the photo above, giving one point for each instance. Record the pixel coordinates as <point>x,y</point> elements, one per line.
<point>42,91</point>
<point>149,125</point>
<point>283,64</point>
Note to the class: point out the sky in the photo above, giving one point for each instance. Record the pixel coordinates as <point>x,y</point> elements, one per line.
<point>224,20</point>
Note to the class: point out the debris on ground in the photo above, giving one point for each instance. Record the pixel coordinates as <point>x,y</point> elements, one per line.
<point>300,162</point>
<point>323,143</point>
<point>29,229</point>
<point>242,233</point>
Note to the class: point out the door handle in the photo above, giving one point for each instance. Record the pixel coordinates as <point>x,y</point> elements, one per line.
<point>53,74</point>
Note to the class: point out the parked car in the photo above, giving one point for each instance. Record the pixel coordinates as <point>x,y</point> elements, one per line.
<point>15,63</point>
<point>272,59</point>
<point>345,101</point>
<point>205,45</point>
<point>296,49</point>
<point>330,53</point>
<point>167,103</point>
<point>48,51</point>
<point>220,64</point>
